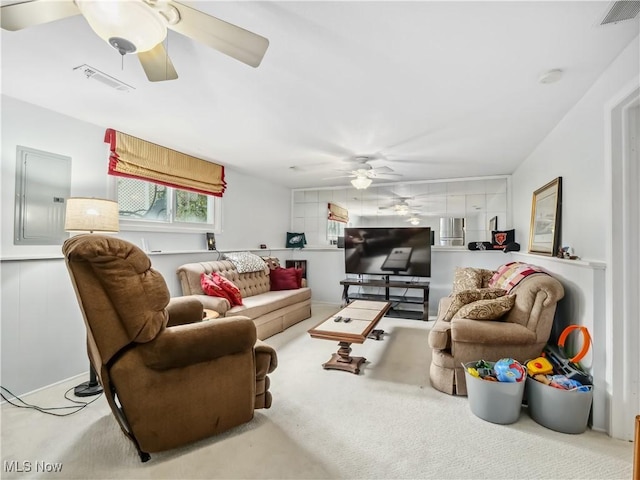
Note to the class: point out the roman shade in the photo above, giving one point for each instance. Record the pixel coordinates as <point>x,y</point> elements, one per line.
<point>338,213</point>
<point>135,158</point>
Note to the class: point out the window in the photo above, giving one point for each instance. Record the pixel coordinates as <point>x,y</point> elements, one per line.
<point>151,206</point>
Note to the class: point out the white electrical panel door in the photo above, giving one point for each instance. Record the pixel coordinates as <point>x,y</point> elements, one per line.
<point>43,184</point>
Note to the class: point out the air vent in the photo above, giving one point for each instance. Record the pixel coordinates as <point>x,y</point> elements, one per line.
<point>95,74</point>
<point>621,11</point>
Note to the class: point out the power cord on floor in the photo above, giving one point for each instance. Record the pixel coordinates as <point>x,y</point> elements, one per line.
<point>48,410</point>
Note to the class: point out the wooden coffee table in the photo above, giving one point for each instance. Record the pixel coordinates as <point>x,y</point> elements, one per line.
<point>364,315</point>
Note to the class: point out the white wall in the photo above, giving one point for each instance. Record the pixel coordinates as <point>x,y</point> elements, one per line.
<point>575,150</point>
<point>42,331</point>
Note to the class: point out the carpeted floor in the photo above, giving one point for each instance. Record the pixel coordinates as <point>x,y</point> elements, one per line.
<point>385,423</point>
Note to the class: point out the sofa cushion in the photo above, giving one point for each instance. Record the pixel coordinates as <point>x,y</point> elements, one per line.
<point>465,297</point>
<point>491,309</point>
<point>285,279</point>
<point>246,261</point>
<point>258,305</point>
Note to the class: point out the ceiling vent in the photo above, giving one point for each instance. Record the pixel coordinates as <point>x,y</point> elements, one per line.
<point>621,11</point>
<point>95,74</point>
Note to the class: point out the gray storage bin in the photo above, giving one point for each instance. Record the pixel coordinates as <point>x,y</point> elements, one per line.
<point>565,411</point>
<point>495,402</point>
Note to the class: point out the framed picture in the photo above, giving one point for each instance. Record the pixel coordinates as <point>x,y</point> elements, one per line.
<point>493,224</point>
<point>544,233</point>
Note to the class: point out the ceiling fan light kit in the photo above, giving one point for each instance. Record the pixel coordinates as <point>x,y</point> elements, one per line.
<point>361,182</point>
<point>140,27</point>
<point>127,26</point>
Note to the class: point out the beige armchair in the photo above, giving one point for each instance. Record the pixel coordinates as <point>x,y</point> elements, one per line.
<point>525,318</point>
<point>169,377</point>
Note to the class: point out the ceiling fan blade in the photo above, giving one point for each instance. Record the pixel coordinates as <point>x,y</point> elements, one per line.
<point>157,64</point>
<point>241,44</point>
<point>382,169</point>
<point>22,15</point>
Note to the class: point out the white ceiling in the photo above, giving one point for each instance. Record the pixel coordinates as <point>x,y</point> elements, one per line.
<point>433,89</point>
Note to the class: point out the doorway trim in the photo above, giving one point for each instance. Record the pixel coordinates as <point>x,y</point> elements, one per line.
<point>623,263</point>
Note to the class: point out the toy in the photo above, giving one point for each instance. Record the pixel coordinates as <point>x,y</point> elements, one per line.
<point>539,365</point>
<point>509,370</point>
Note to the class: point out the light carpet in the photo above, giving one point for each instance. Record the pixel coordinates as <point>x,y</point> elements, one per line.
<point>385,423</point>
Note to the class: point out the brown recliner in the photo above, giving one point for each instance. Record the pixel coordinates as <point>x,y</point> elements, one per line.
<point>169,377</point>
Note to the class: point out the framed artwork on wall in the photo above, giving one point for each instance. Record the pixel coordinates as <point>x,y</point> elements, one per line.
<point>544,233</point>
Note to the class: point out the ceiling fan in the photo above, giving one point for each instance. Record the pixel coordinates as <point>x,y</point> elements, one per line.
<point>140,26</point>
<point>363,172</point>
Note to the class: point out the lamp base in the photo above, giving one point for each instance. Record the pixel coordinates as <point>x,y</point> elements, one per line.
<point>87,389</point>
<point>90,388</point>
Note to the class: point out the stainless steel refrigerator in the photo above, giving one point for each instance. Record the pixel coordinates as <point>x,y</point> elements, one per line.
<point>451,231</point>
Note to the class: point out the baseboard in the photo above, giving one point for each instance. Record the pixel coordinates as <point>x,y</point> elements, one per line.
<point>80,375</point>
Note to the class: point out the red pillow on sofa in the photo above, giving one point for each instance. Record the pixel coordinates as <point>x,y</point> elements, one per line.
<point>285,278</point>
<point>209,287</point>
<point>230,288</point>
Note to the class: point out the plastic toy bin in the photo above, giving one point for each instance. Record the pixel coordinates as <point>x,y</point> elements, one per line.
<point>565,411</point>
<point>495,402</point>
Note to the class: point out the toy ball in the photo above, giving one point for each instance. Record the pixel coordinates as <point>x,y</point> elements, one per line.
<point>509,370</point>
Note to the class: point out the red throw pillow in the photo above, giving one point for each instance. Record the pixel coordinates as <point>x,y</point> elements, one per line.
<point>209,287</point>
<point>299,277</point>
<point>284,279</point>
<point>230,288</point>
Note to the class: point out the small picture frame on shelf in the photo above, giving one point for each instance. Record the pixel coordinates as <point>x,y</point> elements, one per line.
<point>211,241</point>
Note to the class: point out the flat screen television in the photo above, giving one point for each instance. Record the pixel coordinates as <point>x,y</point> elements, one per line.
<point>388,251</point>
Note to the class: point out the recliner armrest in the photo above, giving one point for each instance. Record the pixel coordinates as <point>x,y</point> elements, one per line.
<point>184,310</point>
<point>466,330</point>
<point>184,345</point>
<point>266,358</point>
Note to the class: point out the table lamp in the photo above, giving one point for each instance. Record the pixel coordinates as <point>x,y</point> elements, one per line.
<point>91,215</point>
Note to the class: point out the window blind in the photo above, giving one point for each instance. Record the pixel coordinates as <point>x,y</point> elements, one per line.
<point>135,158</point>
<point>337,213</point>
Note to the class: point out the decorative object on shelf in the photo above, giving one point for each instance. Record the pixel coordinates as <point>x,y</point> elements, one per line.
<point>502,238</point>
<point>493,223</point>
<point>211,241</point>
<point>544,233</point>
<point>295,240</point>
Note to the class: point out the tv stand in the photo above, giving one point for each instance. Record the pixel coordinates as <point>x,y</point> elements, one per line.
<point>388,284</point>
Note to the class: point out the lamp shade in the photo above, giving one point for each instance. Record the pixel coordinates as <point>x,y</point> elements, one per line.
<point>361,182</point>
<point>91,215</point>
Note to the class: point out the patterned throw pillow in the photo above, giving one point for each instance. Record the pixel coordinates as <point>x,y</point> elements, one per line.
<point>465,297</point>
<point>209,287</point>
<point>466,278</point>
<point>487,309</point>
<point>230,288</point>
<point>246,261</point>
